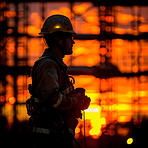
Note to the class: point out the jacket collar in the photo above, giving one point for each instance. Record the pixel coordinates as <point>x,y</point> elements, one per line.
<point>48,53</point>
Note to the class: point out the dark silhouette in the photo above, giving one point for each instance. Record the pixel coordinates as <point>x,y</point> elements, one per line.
<point>55,105</point>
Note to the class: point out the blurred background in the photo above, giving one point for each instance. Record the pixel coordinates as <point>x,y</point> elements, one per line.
<point>110,60</point>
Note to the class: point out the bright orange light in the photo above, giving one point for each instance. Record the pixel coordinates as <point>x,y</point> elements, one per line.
<point>80,9</point>
<point>123,131</point>
<point>124,18</point>
<point>91,19</point>
<point>103,51</point>
<point>57,26</point>
<point>129,140</point>
<point>83,55</point>
<point>141,60</point>
<point>143,28</point>
<point>20,114</point>
<point>8,112</point>
<point>123,107</point>
<point>119,30</point>
<point>63,10</point>
<point>12,100</point>
<point>93,114</point>
<point>135,69</point>
<point>9,14</point>
<point>95,132</point>
<point>123,31</point>
<point>11,47</point>
<point>77,130</point>
<point>110,19</point>
<point>124,118</point>
<point>103,121</point>
<point>33,30</point>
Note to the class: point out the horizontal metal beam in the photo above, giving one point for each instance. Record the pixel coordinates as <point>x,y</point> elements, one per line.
<point>96,2</point>
<point>111,36</point>
<point>102,71</point>
<point>95,36</point>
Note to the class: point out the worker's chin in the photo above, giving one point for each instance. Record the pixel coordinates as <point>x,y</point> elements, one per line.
<point>69,52</point>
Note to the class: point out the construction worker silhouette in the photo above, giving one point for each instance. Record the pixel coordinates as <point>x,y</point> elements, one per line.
<point>54,105</point>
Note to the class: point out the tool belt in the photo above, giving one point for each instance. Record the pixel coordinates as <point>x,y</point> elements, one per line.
<point>44,119</point>
<point>35,106</point>
<point>42,111</point>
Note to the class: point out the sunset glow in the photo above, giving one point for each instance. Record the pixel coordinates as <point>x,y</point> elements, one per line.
<point>113,99</point>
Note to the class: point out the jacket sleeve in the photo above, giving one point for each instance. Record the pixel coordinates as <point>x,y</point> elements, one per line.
<point>48,86</point>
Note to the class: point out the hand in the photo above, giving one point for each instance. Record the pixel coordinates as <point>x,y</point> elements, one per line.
<point>86,102</point>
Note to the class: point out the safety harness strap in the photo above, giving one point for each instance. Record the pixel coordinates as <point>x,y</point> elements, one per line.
<point>58,102</point>
<point>68,90</point>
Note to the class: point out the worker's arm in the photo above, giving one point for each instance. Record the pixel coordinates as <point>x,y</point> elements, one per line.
<point>47,75</point>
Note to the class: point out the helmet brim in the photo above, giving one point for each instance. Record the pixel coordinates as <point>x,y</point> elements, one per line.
<point>71,32</point>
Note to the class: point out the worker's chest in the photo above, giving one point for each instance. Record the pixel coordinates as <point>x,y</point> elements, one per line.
<point>64,80</point>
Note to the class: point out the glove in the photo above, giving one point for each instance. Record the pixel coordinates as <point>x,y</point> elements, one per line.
<point>83,100</point>
<point>86,102</point>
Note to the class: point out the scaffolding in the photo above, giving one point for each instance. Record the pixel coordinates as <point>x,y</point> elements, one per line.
<point>15,53</point>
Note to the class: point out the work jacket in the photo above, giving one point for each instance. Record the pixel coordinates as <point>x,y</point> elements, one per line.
<point>52,86</point>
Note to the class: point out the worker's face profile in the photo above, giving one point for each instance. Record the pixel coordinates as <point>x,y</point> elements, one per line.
<point>69,44</point>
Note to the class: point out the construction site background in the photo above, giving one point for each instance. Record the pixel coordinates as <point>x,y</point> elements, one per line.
<point>110,60</point>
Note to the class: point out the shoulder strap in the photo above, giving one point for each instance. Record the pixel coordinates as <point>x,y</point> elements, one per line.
<point>40,59</point>
<point>52,58</point>
<point>44,57</point>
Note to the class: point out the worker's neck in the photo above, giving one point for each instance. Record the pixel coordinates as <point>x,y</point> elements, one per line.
<point>57,52</point>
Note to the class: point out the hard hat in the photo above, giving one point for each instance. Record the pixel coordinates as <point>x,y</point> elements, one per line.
<point>57,23</point>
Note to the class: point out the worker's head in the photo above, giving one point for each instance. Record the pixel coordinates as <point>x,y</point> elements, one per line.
<point>58,31</point>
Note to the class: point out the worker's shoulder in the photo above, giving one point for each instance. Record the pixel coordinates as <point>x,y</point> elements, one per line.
<point>46,62</point>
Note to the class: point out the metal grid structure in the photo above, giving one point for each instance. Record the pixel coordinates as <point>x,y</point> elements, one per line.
<point>15,64</point>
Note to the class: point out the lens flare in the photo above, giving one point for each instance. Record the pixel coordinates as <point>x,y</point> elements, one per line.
<point>12,100</point>
<point>129,140</point>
